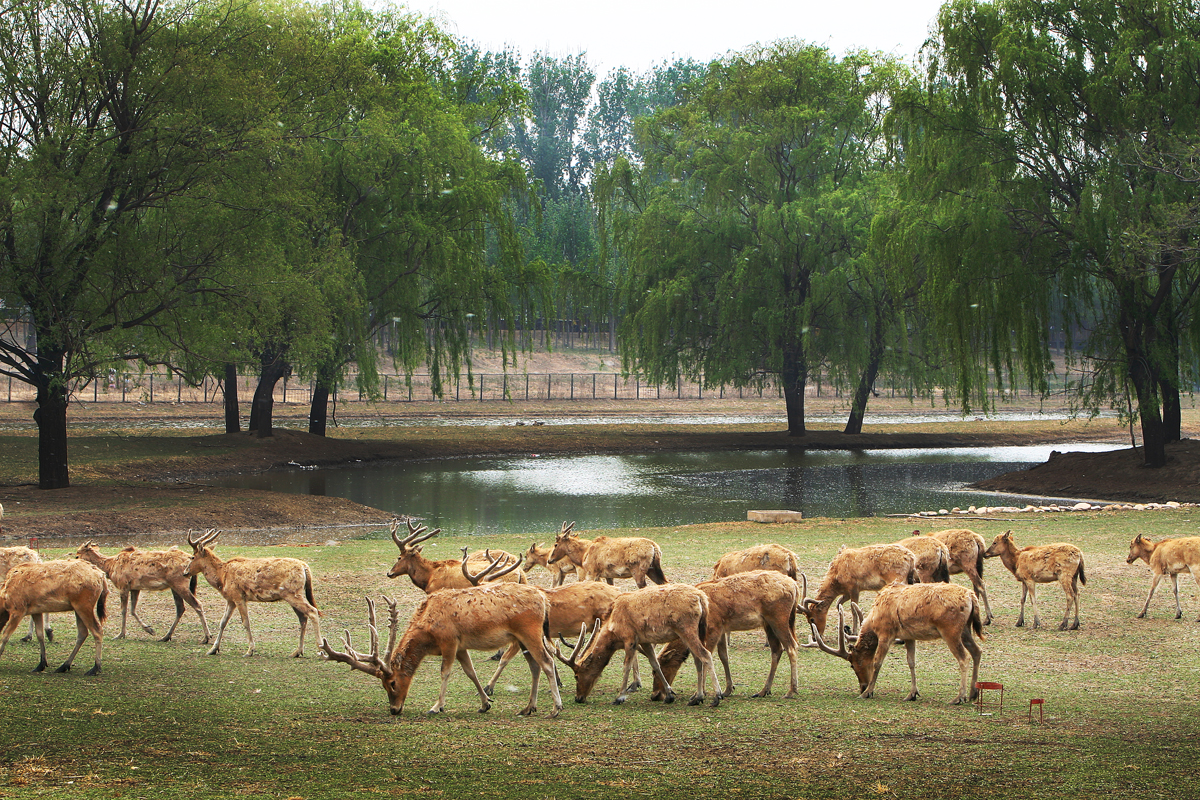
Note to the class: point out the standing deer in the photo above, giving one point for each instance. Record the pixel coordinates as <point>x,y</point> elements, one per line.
<point>861,569</point>
<point>133,571</point>
<point>966,558</point>
<point>911,614</point>
<point>744,601</point>
<point>537,555</point>
<point>9,558</point>
<point>450,623</point>
<point>259,580</point>
<point>1167,558</point>
<point>933,557</point>
<point>55,586</point>
<point>603,559</point>
<point>1047,563</point>
<point>432,576</point>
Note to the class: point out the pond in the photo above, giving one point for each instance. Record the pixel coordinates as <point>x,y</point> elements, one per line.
<point>536,494</point>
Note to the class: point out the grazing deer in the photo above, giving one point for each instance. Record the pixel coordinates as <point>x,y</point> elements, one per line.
<point>857,570</point>
<point>259,580</point>
<point>537,555</point>
<point>933,557</point>
<point>433,576</point>
<point>450,623</point>
<point>638,621</point>
<point>1167,558</point>
<point>603,559</point>
<point>744,601</point>
<point>762,556</point>
<point>966,558</point>
<point>1047,563</point>
<point>918,613</point>
<point>50,587</point>
<point>133,571</point>
<point>9,558</point>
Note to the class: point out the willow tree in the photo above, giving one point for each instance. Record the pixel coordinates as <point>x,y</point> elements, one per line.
<point>748,217</point>
<point>1035,186</point>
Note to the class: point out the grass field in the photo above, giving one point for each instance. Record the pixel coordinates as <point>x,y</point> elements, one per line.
<point>166,720</point>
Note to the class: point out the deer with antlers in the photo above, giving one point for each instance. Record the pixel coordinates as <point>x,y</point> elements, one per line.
<point>1046,563</point>
<point>910,614</point>
<point>259,580</point>
<point>450,623</point>
<point>134,571</point>
<point>603,558</point>
<point>966,558</point>
<point>433,576</point>
<point>856,570</point>
<point>744,601</point>
<point>1168,557</point>
<point>638,621</point>
<point>47,587</point>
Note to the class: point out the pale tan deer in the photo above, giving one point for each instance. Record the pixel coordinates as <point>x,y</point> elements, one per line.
<point>640,620</point>
<point>9,558</point>
<point>917,613</point>
<point>259,580</point>
<point>933,557</point>
<point>1049,563</point>
<point>433,576</point>
<point>538,555</point>
<point>966,558</point>
<point>134,571</point>
<point>857,570</point>
<point>450,623</point>
<point>744,601</point>
<point>1166,558</point>
<point>603,559</point>
<point>51,587</point>
<point>762,556</point>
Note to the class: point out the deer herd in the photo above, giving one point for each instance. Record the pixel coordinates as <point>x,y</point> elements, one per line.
<point>485,601</point>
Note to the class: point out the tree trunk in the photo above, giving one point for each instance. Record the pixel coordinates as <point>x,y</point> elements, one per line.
<point>262,407</point>
<point>795,378</point>
<point>1172,411</point>
<point>1144,378</point>
<point>866,381</point>
<point>233,419</point>
<point>51,419</point>
<point>318,412</point>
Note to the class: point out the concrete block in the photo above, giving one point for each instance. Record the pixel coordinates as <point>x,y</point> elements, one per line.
<point>774,516</point>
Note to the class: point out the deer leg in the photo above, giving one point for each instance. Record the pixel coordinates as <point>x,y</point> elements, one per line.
<point>723,654</point>
<point>178,615</point>
<point>540,660</point>
<point>704,666</point>
<point>508,656</point>
<point>306,613</point>
<point>38,623</point>
<point>1158,576</point>
<point>81,634</point>
<point>244,612</point>
<point>134,594</point>
<point>776,651</point>
<point>1072,594</point>
<point>11,621</point>
<point>981,592</point>
<point>1021,614</point>
<point>1033,604</point>
<point>124,612</point>
<point>630,660</point>
<point>88,619</point>
<point>229,607</point>
<point>910,648</point>
<point>965,689</point>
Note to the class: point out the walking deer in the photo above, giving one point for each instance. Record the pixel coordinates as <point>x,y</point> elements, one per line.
<point>134,571</point>
<point>50,587</point>
<point>537,555</point>
<point>603,559</point>
<point>1047,563</point>
<point>259,580</point>
<point>1168,557</point>
<point>966,558</point>
<point>9,558</point>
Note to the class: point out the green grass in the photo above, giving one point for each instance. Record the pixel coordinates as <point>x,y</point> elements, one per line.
<point>166,720</point>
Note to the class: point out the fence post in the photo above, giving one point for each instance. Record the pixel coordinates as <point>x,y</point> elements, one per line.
<point>593,386</point>
<point>151,387</point>
<point>572,385</point>
<point>179,389</point>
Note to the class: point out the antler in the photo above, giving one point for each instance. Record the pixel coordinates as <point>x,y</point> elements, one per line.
<point>819,641</point>
<point>414,531</point>
<point>581,645</point>
<point>371,663</point>
<point>487,574</point>
<point>565,529</point>
<point>208,538</point>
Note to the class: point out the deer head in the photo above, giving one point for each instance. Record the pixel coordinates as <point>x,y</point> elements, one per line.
<point>372,663</point>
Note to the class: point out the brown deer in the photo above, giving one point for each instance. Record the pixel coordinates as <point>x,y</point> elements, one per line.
<point>762,556</point>
<point>933,557</point>
<point>640,620</point>
<point>966,558</point>
<point>537,555</point>
<point>433,576</point>
<point>1168,557</point>
<point>51,587</point>
<point>918,613</point>
<point>744,601</point>
<point>857,570</point>
<point>603,559</point>
<point>259,580</point>
<point>133,571</point>
<point>450,623</point>
<point>1047,563</point>
<point>9,558</point>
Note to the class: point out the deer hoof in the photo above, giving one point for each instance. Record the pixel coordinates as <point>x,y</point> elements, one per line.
<point>64,668</point>
<point>618,701</point>
<point>527,711</point>
<point>41,667</point>
<point>93,671</point>
<point>695,701</point>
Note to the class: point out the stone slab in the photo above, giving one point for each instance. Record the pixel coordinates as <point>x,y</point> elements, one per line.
<point>774,516</point>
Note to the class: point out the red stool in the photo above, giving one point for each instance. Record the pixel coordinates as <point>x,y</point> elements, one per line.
<point>981,686</point>
<point>1041,704</point>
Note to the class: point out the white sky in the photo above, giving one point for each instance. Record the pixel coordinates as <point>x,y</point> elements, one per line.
<point>638,34</point>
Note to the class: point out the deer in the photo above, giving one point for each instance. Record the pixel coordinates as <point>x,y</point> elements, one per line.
<point>1047,563</point>
<point>133,571</point>
<point>910,614</point>
<point>537,555</point>
<point>856,570</point>
<point>603,559</point>
<point>47,587</point>
<point>966,558</point>
<point>1168,557</point>
<point>744,601</point>
<point>433,576</point>
<point>9,558</point>
<point>450,623</point>
<point>933,557</point>
<point>762,556</point>
<point>259,580</point>
<point>638,621</point>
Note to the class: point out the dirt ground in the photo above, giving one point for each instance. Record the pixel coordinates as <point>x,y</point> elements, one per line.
<point>166,497</point>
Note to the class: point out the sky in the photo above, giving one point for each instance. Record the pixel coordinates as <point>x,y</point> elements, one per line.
<point>638,34</point>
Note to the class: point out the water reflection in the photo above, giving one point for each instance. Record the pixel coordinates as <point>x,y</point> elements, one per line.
<point>532,494</point>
